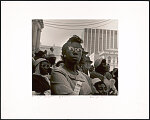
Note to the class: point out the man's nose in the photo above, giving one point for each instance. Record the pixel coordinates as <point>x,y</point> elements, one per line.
<point>75,52</point>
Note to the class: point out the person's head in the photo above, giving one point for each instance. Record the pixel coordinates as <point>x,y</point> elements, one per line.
<point>116,73</point>
<point>45,51</point>
<point>39,54</point>
<point>44,67</point>
<point>88,63</point>
<point>51,58</point>
<point>59,63</point>
<point>51,49</point>
<point>101,88</point>
<point>91,68</point>
<point>107,67</point>
<point>100,65</point>
<point>83,57</point>
<point>115,69</point>
<point>72,50</point>
<point>41,66</point>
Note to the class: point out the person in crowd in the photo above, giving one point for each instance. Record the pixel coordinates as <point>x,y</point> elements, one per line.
<point>51,50</point>
<point>108,68</point>
<point>41,78</point>
<point>39,54</point>
<point>68,80</point>
<point>114,74</point>
<point>51,58</point>
<point>97,72</point>
<point>116,78</point>
<point>82,61</point>
<point>59,63</point>
<point>101,72</point>
<point>87,65</point>
<point>113,71</point>
<point>45,52</point>
<point>91,69</point>
<point>112,83</point>
<point>100,87</point>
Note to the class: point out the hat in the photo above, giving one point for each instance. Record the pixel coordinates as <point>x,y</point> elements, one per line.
<point>95,80</point>
<point>39,60</point>
<point>40,53</point>
<point>97,62</point>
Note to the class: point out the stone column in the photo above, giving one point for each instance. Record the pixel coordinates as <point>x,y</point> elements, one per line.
<point>34,34</point>
<point>38,39</point>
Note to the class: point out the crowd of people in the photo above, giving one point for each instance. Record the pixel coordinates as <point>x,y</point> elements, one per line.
<point>74,74</point>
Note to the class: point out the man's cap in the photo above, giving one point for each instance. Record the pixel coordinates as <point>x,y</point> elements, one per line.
<point>39,53</point>
<point>97,62</point>
<point>39,60</point>
<point>95,80</point>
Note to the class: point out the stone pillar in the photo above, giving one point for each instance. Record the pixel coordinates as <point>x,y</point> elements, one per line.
<point>34,34</point>
<point>38,39</point>
<point>37,25</point>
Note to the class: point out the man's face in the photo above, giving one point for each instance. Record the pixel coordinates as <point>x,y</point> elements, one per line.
<point>74,52</point>
<point>107,67</point>
<point>44,66</point>
<point>102,89</point>
<point>114,70</point>
<point>91,68</point>
<point>104,66</point>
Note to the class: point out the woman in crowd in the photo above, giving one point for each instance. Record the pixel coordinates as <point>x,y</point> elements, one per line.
<point>41,78</point>
<point>102,72</point>
<point>100,86</point>
<point>68,80</point>
<point>116,78</point>
<point>87,65</point>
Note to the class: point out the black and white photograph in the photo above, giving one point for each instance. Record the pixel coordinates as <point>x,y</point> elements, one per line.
<point>74,59</point>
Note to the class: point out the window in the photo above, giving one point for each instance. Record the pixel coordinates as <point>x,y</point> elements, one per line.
<point>117,60</point>
<point>114,60</point>
<point>109,59</point>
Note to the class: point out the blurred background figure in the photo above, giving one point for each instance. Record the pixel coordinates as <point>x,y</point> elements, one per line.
<point>51,58</point>
<point>51,50</point>
<point>91,69</point>
<point>115,76</point>
<point>102,72</point>
<point>100,87</point>
<point>45,52</point>
<point>87,65</point>
<point>108,68</point>
<point>82,61</point>
<point>39,54</point>
<point>59,63</point>
<point>41,78</point>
